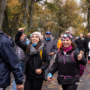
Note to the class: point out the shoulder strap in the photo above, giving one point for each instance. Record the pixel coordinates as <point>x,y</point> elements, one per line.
<point>59,54</point>
<point>72,56</point>
<point>41,53</point>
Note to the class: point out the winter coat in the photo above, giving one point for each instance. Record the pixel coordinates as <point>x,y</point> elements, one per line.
<point>11,41</point>
<point>8,62</point>
<point>33,60</point>
<point>23,54</point>
<point>50,46</point>
<point>81,44</point>
<point>67,67</point>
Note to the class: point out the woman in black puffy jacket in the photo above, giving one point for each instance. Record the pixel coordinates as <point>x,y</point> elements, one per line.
<point>67,64</point>
<point>36,54</point>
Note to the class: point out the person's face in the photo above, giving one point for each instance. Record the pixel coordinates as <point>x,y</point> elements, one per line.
<point>48,35</point>
<point>23,36</point>
<point>9,36</point>
<point>53,37</point>
<point>88,35</point>
<point>35,39</point>
<point>61,36</point>
<point>81,35</point>
<point>66,42</point>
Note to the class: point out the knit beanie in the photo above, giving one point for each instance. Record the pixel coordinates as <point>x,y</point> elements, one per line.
<point>37,33</point>
<point>67,36</point>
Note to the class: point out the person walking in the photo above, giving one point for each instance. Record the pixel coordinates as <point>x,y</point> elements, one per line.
<point>51,48</point>
<point>35,56</point>
<point>8,63</point>
<point>66,63</point>
<point>21,56</point>
<point>81,44</point>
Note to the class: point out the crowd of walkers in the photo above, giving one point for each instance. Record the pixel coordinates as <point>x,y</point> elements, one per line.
<point>30,59</point>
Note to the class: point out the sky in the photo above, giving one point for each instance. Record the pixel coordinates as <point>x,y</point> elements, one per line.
<point>78,1</point>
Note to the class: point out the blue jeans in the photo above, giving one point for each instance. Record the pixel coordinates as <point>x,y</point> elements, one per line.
<point>21,66</point>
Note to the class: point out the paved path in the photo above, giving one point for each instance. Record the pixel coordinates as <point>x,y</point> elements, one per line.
<point>53,85</point>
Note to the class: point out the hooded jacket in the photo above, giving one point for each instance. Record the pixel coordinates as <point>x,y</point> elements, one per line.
<point>8,62</point>
<point>67,67</point>
<point>33,60</point>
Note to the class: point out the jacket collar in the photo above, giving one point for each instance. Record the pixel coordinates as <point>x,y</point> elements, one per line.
<point>48,40</point>
<point>33,50</point>
<point>81,39</point>
<point>68,51</point>
<point>1,32</point>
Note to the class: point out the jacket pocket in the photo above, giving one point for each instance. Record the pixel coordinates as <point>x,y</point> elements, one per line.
<point>58,79</point>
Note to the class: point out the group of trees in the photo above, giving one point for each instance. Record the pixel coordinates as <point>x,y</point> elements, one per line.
<point>55,16</point>
<point>86,9</point>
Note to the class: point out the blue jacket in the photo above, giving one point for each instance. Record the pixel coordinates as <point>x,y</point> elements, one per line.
<point>8,62</point>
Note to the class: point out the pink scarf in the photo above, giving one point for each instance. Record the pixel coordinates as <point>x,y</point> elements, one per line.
<point>67,49</point>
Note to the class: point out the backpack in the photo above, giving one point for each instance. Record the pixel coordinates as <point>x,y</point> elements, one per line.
<point>80,66</point>
<point>41,55</point>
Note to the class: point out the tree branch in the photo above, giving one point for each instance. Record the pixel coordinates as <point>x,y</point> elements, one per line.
<point>20,1</point>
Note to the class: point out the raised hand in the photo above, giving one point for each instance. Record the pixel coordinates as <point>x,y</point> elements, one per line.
<point>21,29</point>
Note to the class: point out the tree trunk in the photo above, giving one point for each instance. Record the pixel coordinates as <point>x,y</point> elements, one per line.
<point>89,19</point>
<point>31,15</point>
<point>2,9</point>
<point>26,12</point>
<point>5,25</point>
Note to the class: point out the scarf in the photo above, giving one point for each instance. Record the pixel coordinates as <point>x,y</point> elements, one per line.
<point>66,49</point>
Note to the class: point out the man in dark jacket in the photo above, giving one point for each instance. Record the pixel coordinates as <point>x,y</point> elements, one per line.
<point>8,63</point>
<point>21,57</point>
<point>50,44</point>
<point>81,44</point>
<point>51,48</point>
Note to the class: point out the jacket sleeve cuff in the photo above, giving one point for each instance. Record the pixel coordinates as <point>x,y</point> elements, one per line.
<point>49,75</point>
<point>19,83</point>
<point>42,69</point>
